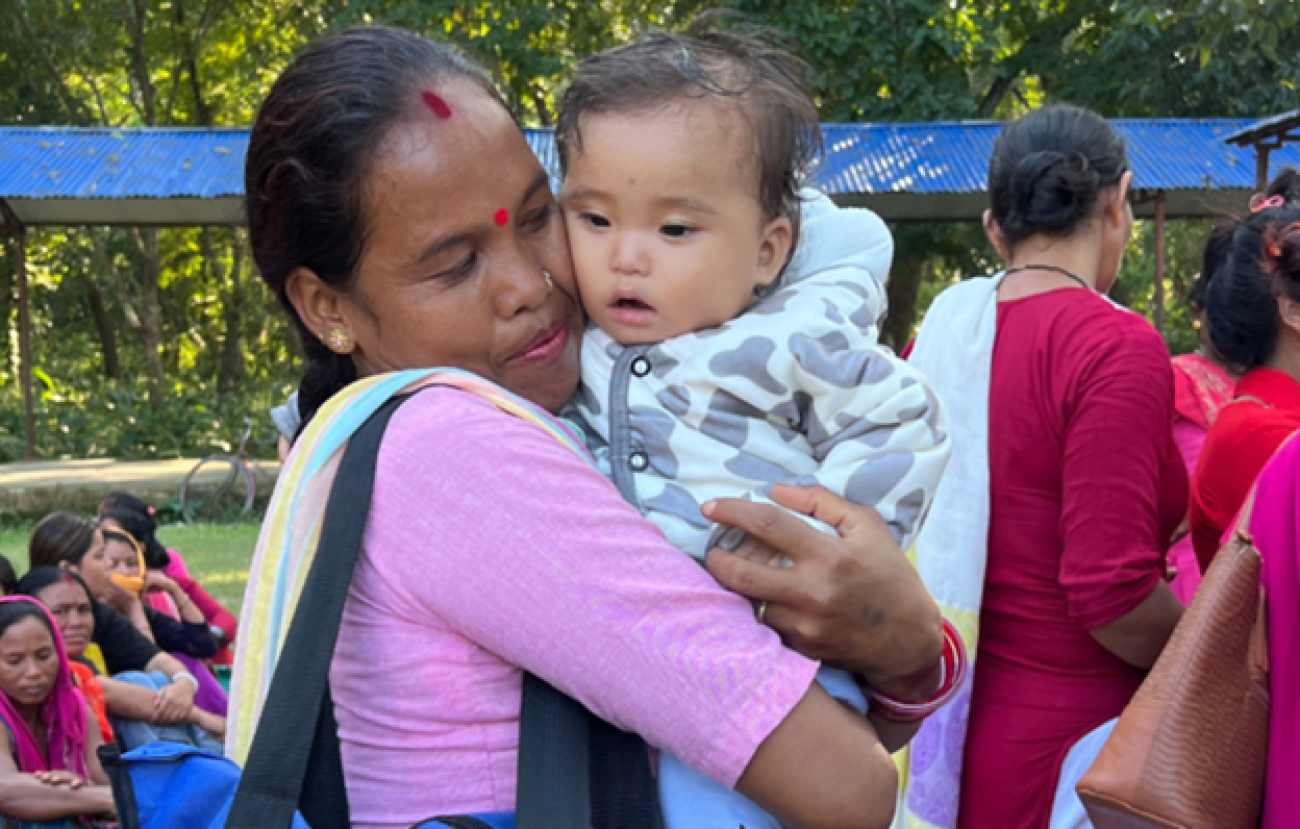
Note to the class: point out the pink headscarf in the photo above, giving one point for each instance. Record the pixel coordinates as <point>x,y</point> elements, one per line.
<point>64,714</point>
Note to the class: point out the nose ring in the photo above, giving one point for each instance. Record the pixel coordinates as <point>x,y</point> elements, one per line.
<point>550,283</point>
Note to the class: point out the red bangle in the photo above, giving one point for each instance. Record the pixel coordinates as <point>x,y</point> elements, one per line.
<point>953,667</point>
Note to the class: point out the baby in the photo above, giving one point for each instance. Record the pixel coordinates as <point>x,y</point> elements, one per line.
<point>735,317</point>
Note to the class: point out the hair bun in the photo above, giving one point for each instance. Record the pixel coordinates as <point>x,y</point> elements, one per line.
<point>1049,168</point>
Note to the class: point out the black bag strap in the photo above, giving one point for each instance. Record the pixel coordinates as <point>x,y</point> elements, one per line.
<point>110,759</point>
<point>575,770</point>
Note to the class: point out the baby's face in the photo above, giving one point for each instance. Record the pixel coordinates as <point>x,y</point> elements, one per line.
<point>667,232</point>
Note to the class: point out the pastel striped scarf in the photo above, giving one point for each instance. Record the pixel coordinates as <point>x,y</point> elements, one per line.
<point>290,533</point>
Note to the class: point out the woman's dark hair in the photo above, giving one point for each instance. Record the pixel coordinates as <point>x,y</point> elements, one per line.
<point>1262,265</point>
<point>1219,243</point>
<point>13,612</point>
<point>311,147</point>
<point>1049,167</point>
<point>36,580</point>
<point>8,578</point>
<point>764,82</point>
<point>141,527</point>
<point>60,537</point>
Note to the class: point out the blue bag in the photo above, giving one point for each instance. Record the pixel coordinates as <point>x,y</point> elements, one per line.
<point>575,770</point>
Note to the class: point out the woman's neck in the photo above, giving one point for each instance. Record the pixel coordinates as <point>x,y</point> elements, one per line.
<point>1286,357</point>
<point>31,716</point>
<point>1078,254</point>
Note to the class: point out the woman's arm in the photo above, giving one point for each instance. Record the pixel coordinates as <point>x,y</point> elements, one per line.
<point>214,724</point>
<point>211,609</point>
<point>94,739</point>
<point>174,702</point>
<point>130,606</point>
<point>1119,466</point>
<point>800,771</point>
<point>191,638</point>
<point>572,585</point>
<point>156,581</point>
<point>1140,635</point>
<point>127,700</point>
<point>25,797</point>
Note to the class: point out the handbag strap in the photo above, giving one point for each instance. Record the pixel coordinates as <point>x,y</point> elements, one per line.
<point>574,768</point>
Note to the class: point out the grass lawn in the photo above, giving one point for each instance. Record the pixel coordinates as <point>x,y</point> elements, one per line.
<point>216,555</point>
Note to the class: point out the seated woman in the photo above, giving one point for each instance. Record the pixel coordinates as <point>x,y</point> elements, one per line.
<point>1253,316</point>
<point>130,700</point>
<point>126,512</point>
<point>396,211</point>
<point>188,634</point>
<point>49,772</point>
<point>73,543</point>
<point>188,638</point>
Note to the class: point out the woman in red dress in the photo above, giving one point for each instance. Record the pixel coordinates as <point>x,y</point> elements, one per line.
<point>1253,315</point>
<point>1086,486</point>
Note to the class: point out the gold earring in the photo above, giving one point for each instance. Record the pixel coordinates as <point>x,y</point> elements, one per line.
<point>338,341</point>
<point>1196,325</point>
<point>550,283</point>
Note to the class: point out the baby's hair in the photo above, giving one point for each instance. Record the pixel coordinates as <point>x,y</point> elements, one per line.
<point>765,82</point>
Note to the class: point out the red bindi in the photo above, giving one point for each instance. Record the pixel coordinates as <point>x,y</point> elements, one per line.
<point>501,217</point>
<point>436,104</point>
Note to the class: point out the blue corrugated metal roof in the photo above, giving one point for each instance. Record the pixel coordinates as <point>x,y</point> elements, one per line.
<point>63,163</point>
<point>1166,154</point>
<point>73,163</point>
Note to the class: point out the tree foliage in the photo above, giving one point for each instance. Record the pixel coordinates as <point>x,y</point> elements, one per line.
<point>177,316</point>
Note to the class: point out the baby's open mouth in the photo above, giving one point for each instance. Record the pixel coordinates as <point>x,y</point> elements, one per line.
<point>633,304</point>
<point>633,311</point>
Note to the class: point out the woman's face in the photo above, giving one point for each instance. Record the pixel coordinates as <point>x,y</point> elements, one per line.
<point>93,568</point>
<point>461,224</point>
<point>70,607</point>
<point>29,663</point>
<point>121,557</point>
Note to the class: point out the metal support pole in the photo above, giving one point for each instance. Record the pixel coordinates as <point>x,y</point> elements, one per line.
<point>1262,152</point>
<point>1158,300</point>
<point>24,328</point>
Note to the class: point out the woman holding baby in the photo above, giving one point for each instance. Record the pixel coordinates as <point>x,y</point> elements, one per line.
<point>398,213</point>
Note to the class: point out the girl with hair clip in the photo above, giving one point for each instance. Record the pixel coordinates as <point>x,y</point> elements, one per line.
<point>1253,316</point>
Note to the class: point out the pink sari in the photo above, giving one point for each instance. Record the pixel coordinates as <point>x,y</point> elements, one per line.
<point>1275,524</point>
<point>1201,390</point>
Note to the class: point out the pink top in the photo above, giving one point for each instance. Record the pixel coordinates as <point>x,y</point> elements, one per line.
<point>492,547</point>
<point>1275,523</point>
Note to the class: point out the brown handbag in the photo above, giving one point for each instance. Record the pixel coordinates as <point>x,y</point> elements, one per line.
<point>1189,750</point>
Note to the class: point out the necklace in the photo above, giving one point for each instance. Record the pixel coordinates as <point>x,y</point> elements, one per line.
<point>1052,268</point>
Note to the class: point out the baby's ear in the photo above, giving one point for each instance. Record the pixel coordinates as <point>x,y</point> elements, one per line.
<point>773,251</point>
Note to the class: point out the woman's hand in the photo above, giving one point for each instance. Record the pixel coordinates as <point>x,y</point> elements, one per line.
<point>61,778</point>
<point>156,582</point>
<point>174,703</point>
<point>854,602</point>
